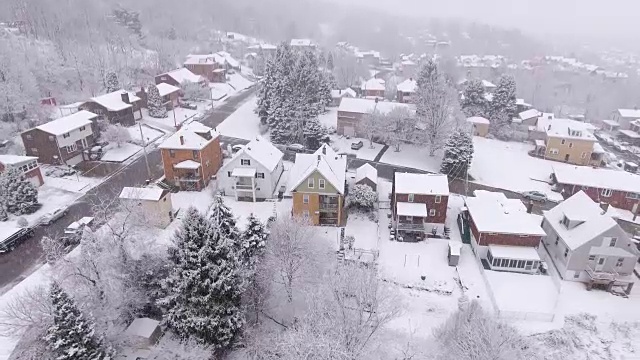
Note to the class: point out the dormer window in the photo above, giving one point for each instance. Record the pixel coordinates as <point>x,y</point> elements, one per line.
<point>565,222</point>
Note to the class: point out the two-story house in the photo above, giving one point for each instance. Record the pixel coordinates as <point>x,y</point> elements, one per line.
<point>503,232</point>
<point>170,95</point>
<point>302,45</point>
<point>353,110</point>
<point>180,76</point>
<point>587,245</point>
<point>151,205</point>
<point>373,88</point>
<point>572,142</point>
<point>211,66</point>
<point>624,117</point>
<point>191,156</point>
<point>118,107</point>
<point>419,204</point>
<point>254,171</point>
<point>407,90</point>
<point>317,185</point>
<point>62,141</point>
<point>28,166</point>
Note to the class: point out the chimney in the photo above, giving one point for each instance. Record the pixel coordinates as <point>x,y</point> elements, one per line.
<point>605,207</point>
<point>410,79</point>
<point>181,140</point>
<point>125,97</point>
<point>340,92</point>
<point>549,128</point>
<point>319,157</point>
<point>529,206</point>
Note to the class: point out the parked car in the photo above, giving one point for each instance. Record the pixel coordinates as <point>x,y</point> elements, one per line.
<point>357,145</point>
<point>55,215</point>
<point>189,106</point>
<point>295,147</point>
<point>535,196</point>
<point>76,227</point>
<point>619,146</point>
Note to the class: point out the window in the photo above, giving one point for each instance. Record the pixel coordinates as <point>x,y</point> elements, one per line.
<point>438,199</point>
<point>208,163</point>
<point>172,153</point>
<point>606,192</point>
<point>553,151</point>
<point>52,138</point>
<point>633,196</point>
<point>408,218</point>
<point>563,141</point>
<point>34,150</point>
<point>411,197</point>
<point>83,128</point>
<point>570,145</point>
<point>71,148</point>
<point>432,212</point>
<point>613,241</point>
<point>565,221</point>
<point>592,257</point>
<point>566,252</point>
<point>259,175</point>
<point>528,264</point>
<point>195,154</point>
<point>583,155</point>
<point>512,263</point>
<point>311,183</point>
<point>66,135</point>
<point>520,264</point>
<point>496,262</point>
<point>305,198</point>
<point>229,173</point>
<point>246,162</point>
<point>505,263</point>
<point>29,137</point>
<point>557,240</point>
<point>620,262</point>
<point>305,213</point>
<point>321,184</point>
<point>576,275</point>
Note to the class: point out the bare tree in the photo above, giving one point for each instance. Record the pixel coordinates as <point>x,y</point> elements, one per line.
<point>117,134</point>
<point>401,126</point>
<point>372,126</point>
<point>348,71</point>
<point>170,348</point>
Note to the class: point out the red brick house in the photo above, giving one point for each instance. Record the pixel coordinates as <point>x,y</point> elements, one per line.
<point>620,189</point>
<point>503,229</point>
<point>214,66</point>
<point>119,107</point>
<point>352,111</point>
<point>28,165</point>
<point>419,204</point>
<point>373,88</point>
<point>62,141</point>
<point>191,156</point>
<point>179,76</point>
<point>406,91</point>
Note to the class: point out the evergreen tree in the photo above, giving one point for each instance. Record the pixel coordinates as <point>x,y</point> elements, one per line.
<point>253,241</point>
<point>223,219</point>
<point>458,153</point>
<point>112,82</point>
<point>474,102</point>
<point>322,60</point>
<point>155,104</point>
<point>314,133</point>
<point>19,194</point>
<point>330,65</point>
<point>205,285</point>
<point>259,65</point>
<point>72,337</point>
<point>503,108</point>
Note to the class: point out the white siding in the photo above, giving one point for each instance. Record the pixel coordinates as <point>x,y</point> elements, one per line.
<point>74,136</point>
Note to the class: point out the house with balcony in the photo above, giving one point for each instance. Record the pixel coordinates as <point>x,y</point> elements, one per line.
<point>119,107</point>
<point>191,157</point>
<point>27,165</point>
<point>254,172</point>
<point>317,183</point>
<point>572,142</point>
<point>503,232</point>
<point>419,204</point>
<point>587,245</point>
<point>407,90</point>
<point>62,141</point>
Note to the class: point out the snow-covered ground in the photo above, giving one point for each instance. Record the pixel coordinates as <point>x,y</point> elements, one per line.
<point>51,198</point>
<point>412,156</point>
<point>330,118</point>
<point>149,134</point>
<point>169,123</point>
<point>235,84</point>
<point>243,123</point>
<point>344,146</point>
<point>72,183</point>
<point>113,153</point>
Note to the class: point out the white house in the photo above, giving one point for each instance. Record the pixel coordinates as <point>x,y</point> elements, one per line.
<point>367,175</point>
<point>254,172</point>
<point>154,204</point>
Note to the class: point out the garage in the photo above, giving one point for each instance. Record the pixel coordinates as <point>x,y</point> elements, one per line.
<point>349,131</point>
<point>74,160</point>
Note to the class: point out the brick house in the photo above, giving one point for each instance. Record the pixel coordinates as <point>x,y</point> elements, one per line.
<point>214,66</point>
<point>191,156</point>
<point>64,140</point>
<point>28,165</point>
<point>419,203</point>
<point>170,95</point>
<point>503,232</point>
<point>406,91</point>
<point>373,88</point>
<point>179,76</point>
<point>620,189</point>
<point>352,110</point>
<point>119,107</point>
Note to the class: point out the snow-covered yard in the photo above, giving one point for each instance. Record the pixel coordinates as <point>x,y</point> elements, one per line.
<point>366,152</point>
<point>169,123</point>
<point>243,123</point>
<point>51,198</point>
<point>413,156</point>
<point>75,183</point>
<point>114,153</point>
<point>330,118</point>
<point>148,135</point>
<point>235,84</point>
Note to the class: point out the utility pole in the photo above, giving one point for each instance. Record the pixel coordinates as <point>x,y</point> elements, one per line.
<point>144,149</point>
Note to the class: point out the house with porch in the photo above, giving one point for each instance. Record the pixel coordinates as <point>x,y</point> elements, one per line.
<point>406,91</point>
<point>587,245</point>
<point>179,76</point>
<point>191,156</point>
<point>503,232</point>
<point>27,165</point>
<point>317,183</point>
<point>62,141</point>
<point>373,88</point>
<point>254,172</point>
<point>353,110</point>
<point>419,204</point>
<point>118,107</point>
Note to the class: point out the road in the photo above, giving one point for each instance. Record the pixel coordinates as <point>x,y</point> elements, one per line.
<point>28,256</point>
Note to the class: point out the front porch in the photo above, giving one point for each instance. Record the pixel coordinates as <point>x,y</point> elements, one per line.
<point>410,220</point>
<point>329,210</point>
<point>187,176</point>
<point>245,183</point>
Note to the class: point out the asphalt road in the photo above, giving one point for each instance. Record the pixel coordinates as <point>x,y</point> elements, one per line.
<point>28,256</point>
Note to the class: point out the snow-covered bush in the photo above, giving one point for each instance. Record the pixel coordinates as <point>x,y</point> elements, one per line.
<point>195,91</point>
<point>117,134</point>
<point>155,104</point>
<point>22,222</point>
<point>362,197</point>
<point>17,194</point>
<point>458,153</point>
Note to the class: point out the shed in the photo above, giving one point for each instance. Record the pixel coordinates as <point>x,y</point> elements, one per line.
<point>144,332</point>
<point>367,175</point>
<point>454,253</point>
<point>480,125</point>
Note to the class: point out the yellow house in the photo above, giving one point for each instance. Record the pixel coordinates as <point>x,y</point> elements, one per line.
<point>317,185</point>
<point>572,142</point>
<point>151,205</point>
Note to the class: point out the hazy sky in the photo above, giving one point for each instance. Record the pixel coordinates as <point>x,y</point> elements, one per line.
<point>594,18</point>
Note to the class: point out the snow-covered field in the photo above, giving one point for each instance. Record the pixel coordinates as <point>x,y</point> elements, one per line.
<point>148,135</point>
<point>243,123</point>
<point>169,123</point>
<point>113,153</point>
<point>51,198</point>
<point>71,183</point>
<point>235,84</point>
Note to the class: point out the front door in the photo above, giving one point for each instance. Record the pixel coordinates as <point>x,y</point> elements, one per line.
<point>600,263</point>
<point>566,157</point>
<point>84,143</point>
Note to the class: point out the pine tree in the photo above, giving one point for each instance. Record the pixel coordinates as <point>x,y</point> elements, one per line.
<point>20,195</point>
<point>223,219</point>
<point>503,107</point>
<point>72,337</point>
<point>314,133</point>
<point>474,102</point>
<point>330,65</point>
<point>253,241</point>
<point>458,153</point>
<point>112,82</point>
<point>205,285</point>
<point>155,104</point>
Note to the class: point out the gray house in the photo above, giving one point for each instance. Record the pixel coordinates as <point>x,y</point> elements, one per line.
<point>587,245</point>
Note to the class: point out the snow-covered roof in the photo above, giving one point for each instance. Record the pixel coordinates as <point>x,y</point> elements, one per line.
<point>68,123</point>
<point>528,114</point>
<point>148,193</point>
<point>412,209</point>
<point>199,59</point>
<point>478,120</point>
<point>629,133</point>
<point>522,102</point>
<point>367,171</point>
<point>301,42</point>
<point>611,123</point>
<point>244,172</point>
<point>590,220</point>
<point>610,251</point>
<point>339,93</point>
<point>570,129</point>
<point>408,63</point>
<point>455,248</point>
<point>188,137</point>
<point>408,85</point>
<point>263,152</point>
<point>373,84</point>
<point>183,74</point>
<point>263,47</point>
<point>16,159</point>
<point>597,178</point>
<point>421,184</point>
<point>494,212</point>
<point>368,106</point>
<point>165,89</point>
<point>113,100</point>
<point>142,327</point>
<point>629,113</point>
<point>488,84</point>
<point>7,231</point>
<point>514,252</point>
<point>187,165</point>
<point>331,166</point>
